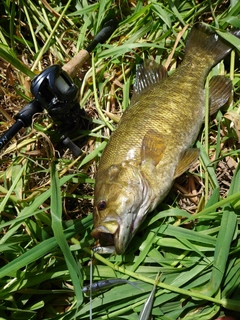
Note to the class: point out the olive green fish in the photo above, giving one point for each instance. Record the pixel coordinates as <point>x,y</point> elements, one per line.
<point>152,144</point>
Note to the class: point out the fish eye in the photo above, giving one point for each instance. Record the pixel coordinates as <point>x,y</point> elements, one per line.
<point>102,205</point>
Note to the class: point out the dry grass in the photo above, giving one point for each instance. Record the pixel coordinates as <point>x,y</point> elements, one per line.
<point>40,277</point>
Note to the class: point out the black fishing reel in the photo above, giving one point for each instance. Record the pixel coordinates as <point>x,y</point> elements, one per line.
<point>58,95</point>
<point>54,91</point>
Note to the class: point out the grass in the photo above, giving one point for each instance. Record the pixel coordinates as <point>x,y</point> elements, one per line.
<point>191,239</point>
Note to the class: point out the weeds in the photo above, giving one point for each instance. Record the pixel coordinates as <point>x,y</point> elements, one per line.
<point>192,238</point>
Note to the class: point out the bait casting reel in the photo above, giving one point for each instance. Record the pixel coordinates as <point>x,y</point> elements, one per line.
<point>54,90</point>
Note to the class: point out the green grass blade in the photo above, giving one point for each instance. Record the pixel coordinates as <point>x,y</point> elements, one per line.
<point>8,55</point>
<point>13,186</point>
<point>56,211</point>
<point>41,249</point>
<point>224,239</point>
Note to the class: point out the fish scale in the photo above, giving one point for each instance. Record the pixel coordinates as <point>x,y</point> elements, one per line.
<point>152,144</point>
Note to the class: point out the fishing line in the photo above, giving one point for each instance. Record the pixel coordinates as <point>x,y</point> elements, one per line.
<point>206,129</point>
<point>91,277</point>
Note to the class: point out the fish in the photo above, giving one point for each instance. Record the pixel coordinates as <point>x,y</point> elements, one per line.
<point>153,142</point>
<point>106,284</point>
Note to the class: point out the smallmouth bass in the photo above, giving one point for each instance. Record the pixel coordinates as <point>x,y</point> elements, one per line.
<point>152,144</point>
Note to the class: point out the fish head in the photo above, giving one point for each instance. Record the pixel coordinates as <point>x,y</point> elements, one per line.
<point>120,205</point>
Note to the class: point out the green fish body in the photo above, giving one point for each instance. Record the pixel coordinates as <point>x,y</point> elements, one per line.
<point>152,144</point>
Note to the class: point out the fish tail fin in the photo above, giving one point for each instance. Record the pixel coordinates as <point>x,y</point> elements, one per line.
<point>205,44</point>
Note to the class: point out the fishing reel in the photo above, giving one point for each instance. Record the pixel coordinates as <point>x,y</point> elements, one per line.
<point>54,91</point>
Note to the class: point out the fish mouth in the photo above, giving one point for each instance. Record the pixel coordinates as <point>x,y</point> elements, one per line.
<point>108,234</point>
<point>103,235</point>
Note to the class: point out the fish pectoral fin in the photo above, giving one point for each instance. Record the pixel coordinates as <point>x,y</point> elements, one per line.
<point>153,146</point>
<point>220,89</point>
<point>185,161</point>
<point>148,73</point>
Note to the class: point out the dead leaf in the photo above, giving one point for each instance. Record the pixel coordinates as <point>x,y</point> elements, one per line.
<point>234,116</point>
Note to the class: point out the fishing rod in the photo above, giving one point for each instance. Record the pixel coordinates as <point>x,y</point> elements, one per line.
<point>54,90</point>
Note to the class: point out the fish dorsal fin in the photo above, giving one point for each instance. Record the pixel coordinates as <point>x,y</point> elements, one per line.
<point>148,73</point>
<point>185,161</point>
<point>153,146</point>
<point>220,89</point>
